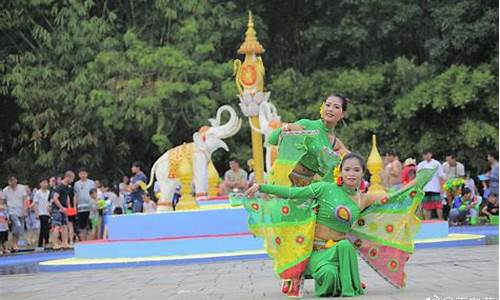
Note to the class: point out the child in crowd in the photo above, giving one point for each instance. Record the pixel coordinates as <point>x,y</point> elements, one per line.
<point>32,220</point>
<point>485,183</point>
<point>94,215</point>
<point>4,225</point>
<point>117,203</point>
<point>469,183</point>
<point>148,206</point>
<point>42,205</point>
<point>491,207</point>
<point>465,208</point>
<point>105,210</point>
<point>177,196</point>
<point>99,187</point>
<point>157,190</point>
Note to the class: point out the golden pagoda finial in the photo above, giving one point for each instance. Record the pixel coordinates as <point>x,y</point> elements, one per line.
<point>249,79</point>
<point>251,44</point>
<point>375,166</point>
<point>250,19</point>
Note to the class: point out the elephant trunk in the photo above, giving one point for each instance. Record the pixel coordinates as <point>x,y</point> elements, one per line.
<point>231,127</point>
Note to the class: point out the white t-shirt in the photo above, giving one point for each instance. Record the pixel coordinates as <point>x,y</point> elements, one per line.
<point>434,184</point>
<point>115,200</point>
<point>94,210</point>
<point>453,172</point>
<point>82,191</point>
<point>240,176</point>
<point>42,201</point>
<point>123,188</point>
<point>100,194</point>
<point>15,199</point>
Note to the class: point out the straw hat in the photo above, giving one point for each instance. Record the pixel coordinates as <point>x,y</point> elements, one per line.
<point>410,161</point>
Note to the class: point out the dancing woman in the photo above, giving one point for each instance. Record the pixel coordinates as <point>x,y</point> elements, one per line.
<point>320,146</point>
<point>314,230</point>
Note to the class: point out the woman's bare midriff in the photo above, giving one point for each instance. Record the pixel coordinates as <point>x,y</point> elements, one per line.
<point>324,233</point>
<point>301,176</point>
<point>301,169</point>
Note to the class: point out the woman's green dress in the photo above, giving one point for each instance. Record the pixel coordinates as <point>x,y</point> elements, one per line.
<point>382,234</point>
<point>310,147</point>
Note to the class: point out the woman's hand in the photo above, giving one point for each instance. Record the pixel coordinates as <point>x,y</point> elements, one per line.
<point>291,127</point>
<point>252,190</point>
<point>340,147</point>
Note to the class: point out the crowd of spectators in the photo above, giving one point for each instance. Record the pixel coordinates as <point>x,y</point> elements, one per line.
<point>452,193</point>
<point>59,211</point>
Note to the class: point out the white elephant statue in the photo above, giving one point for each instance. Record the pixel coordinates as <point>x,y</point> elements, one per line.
<point>188,163</point>
<point>269,120</point>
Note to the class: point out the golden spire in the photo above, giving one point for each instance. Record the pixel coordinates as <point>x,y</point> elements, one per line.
<point>251,44</point>
<point>375,166</point>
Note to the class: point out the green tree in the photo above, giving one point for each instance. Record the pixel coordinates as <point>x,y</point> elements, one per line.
<point>103,83</point>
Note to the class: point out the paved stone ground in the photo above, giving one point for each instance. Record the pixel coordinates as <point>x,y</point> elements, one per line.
<point>458,273</point>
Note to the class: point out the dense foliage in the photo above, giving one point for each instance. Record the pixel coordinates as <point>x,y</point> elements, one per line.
<point>102,83</point>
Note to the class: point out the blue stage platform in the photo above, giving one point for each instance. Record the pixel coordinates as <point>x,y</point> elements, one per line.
<point>177,224</point>
<point>205,231</point>
<point>432,229</point>
<point>167,247</point>
<point>216,232</point>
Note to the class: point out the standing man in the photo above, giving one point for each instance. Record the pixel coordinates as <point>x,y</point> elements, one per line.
<point>82,201</point>
<point>432,198</point>
<point>15,194</point>
<point>452,168</point>
<point>61,201</point>
<point>234,179</point>
<point>493,162</point>
<point>393,168</point>
<point>138,181</point>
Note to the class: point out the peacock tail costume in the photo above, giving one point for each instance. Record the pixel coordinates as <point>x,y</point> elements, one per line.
<point>382,234</point>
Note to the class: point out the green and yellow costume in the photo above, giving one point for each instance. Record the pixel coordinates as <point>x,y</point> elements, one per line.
<point>335,270</point>
<point>382,234</point>
<point>310,147</point>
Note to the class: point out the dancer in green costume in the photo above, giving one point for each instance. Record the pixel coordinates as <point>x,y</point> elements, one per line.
<point>314,230</point>
<point>309,160</point>
<point>309,149</point>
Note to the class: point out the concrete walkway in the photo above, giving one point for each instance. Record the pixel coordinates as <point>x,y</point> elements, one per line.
<point>441,273</point>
